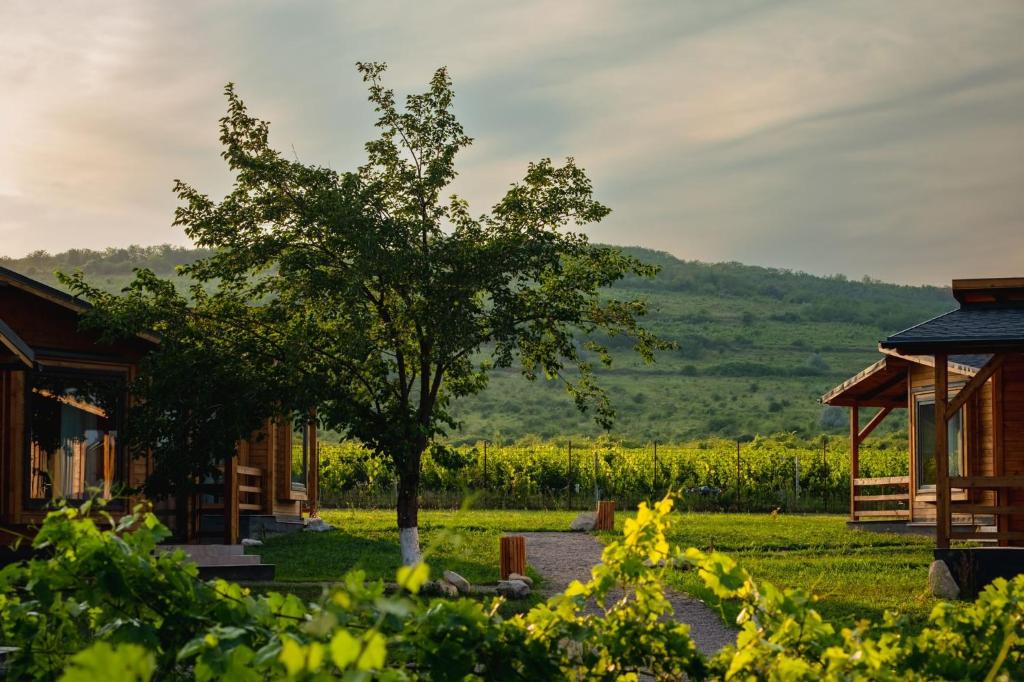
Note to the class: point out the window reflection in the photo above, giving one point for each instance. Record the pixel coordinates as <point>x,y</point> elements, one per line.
<point>926,473</point>
<point>73,448</point>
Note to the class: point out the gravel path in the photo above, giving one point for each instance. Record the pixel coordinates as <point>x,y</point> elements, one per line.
<point>564,557</point>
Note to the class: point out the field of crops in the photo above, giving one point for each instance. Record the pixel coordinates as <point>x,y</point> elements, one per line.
<point>766,473</point>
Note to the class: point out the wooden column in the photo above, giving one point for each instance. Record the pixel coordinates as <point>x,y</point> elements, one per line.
<point>231,501</point>
<point>313,475</point>
<point>854,458</point>
<point>943,524</point>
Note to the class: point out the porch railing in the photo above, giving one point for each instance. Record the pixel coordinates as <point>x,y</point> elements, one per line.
<point>1001,511</point>
<point>878,501</point>
<point>250,491</point>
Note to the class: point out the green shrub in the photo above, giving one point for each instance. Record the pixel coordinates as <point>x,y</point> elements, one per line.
<point>102,605</point>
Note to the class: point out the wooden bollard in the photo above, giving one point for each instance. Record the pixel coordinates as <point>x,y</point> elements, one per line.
<point>513,555</point>
<point>605,515</point>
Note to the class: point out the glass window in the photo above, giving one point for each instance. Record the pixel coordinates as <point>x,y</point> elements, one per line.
<point>300,455</point>
<point>73,450</point>
<point>925,428</point>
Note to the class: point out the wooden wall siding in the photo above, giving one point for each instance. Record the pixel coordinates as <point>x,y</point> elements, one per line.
<point>43,324</point>
<point>1012,441</point>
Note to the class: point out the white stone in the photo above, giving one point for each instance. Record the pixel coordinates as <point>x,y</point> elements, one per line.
<point>251,542</point>
<point>584,522</point>
<point>513,589</point>
<point>409,541</point>
<point>940,581</point>
<point>447,589</point>
<point>460,583</point>
<point>524,578</point>
<point>317,525</point>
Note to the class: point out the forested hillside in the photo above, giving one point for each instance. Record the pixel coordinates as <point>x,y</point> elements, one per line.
<point>757,347</point>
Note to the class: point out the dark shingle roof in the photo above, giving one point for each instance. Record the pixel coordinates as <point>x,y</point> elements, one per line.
<point>980,327</point>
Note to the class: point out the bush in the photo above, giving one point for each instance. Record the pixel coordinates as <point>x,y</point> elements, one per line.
<point>102,605</point>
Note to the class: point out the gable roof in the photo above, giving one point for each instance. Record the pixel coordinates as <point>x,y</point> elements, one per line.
<point>990,318</point>
<point>16,345</point>
<point>36,288</point>
<point>884,383</point>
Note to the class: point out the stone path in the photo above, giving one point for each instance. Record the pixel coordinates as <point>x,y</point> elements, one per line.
<point>563,557</point>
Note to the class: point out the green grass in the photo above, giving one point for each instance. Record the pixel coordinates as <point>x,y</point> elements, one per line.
<point>854,574</point>
<point>464,542</point>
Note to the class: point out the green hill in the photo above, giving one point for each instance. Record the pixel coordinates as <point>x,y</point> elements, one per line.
<point>757,347</point>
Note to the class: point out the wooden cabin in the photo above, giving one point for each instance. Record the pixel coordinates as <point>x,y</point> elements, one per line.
<point>961,378</point>
<point>63,395</point>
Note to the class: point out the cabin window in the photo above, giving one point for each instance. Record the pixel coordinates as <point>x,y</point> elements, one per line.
<point>925,440</point>
<point>73,450</point>
<point>300,456</point>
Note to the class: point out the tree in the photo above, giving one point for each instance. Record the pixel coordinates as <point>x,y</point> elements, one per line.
<point>396,300</point>
<point>204,388</point>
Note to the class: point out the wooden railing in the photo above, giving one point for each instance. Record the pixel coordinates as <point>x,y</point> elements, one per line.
<point>1000,484</point>
<point>250,491</point>
<point>863,504</point>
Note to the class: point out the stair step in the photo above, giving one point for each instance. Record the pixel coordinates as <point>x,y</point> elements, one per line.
<point>239,572</point>
<point>215,555</point>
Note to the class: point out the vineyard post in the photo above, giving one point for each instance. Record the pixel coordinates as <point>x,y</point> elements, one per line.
<point>485,465</point>
<point>796,477</point>
<point>824,466</point>
<point>739,490</point>
<point>569,474</point>
<point>654,474</point>
<point>597,489</point>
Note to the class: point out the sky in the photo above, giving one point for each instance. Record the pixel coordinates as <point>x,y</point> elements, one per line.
<point>872,138</point>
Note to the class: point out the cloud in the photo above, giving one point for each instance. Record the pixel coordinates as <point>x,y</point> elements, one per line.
<point>863,137</point>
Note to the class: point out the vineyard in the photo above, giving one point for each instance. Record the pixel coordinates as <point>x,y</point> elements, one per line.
<point>777,472</point>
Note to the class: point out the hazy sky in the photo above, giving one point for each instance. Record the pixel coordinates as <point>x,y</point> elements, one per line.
<point>882,138</point>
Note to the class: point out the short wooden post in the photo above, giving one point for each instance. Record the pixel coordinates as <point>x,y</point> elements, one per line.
<point>513,555</point>
<point>605,515</point>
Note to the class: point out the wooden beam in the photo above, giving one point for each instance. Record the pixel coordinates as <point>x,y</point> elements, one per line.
<point>901,497</point>
<point>885,386</point>
<point>975,382</point>
<point>854,458</point>
<point>871,425</point>
<point>942,516</point>
<point>231,500</point>
<point>882,480</point>
<point>988,482</point>
<point>982,535</point>
<point>884,512</point>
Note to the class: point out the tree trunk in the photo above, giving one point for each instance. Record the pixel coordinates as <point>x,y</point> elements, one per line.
<point>408,510</point>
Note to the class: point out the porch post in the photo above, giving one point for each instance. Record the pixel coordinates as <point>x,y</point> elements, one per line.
<point>313,474</point>
<point>943,524</point>
<point>231,501</point>
<point>854,458</point>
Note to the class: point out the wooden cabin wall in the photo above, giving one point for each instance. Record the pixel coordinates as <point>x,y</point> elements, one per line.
<point>1011,441</point>
<point>978,432</point>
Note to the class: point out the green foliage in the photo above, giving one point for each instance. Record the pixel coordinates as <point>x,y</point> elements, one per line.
<point>102,601</point>
<point>199,391</point>
<point>719,314</point>
<point>540,474</point>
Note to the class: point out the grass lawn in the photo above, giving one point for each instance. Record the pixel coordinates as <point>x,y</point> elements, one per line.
<point>855,574</point>
<point>464,542</point>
